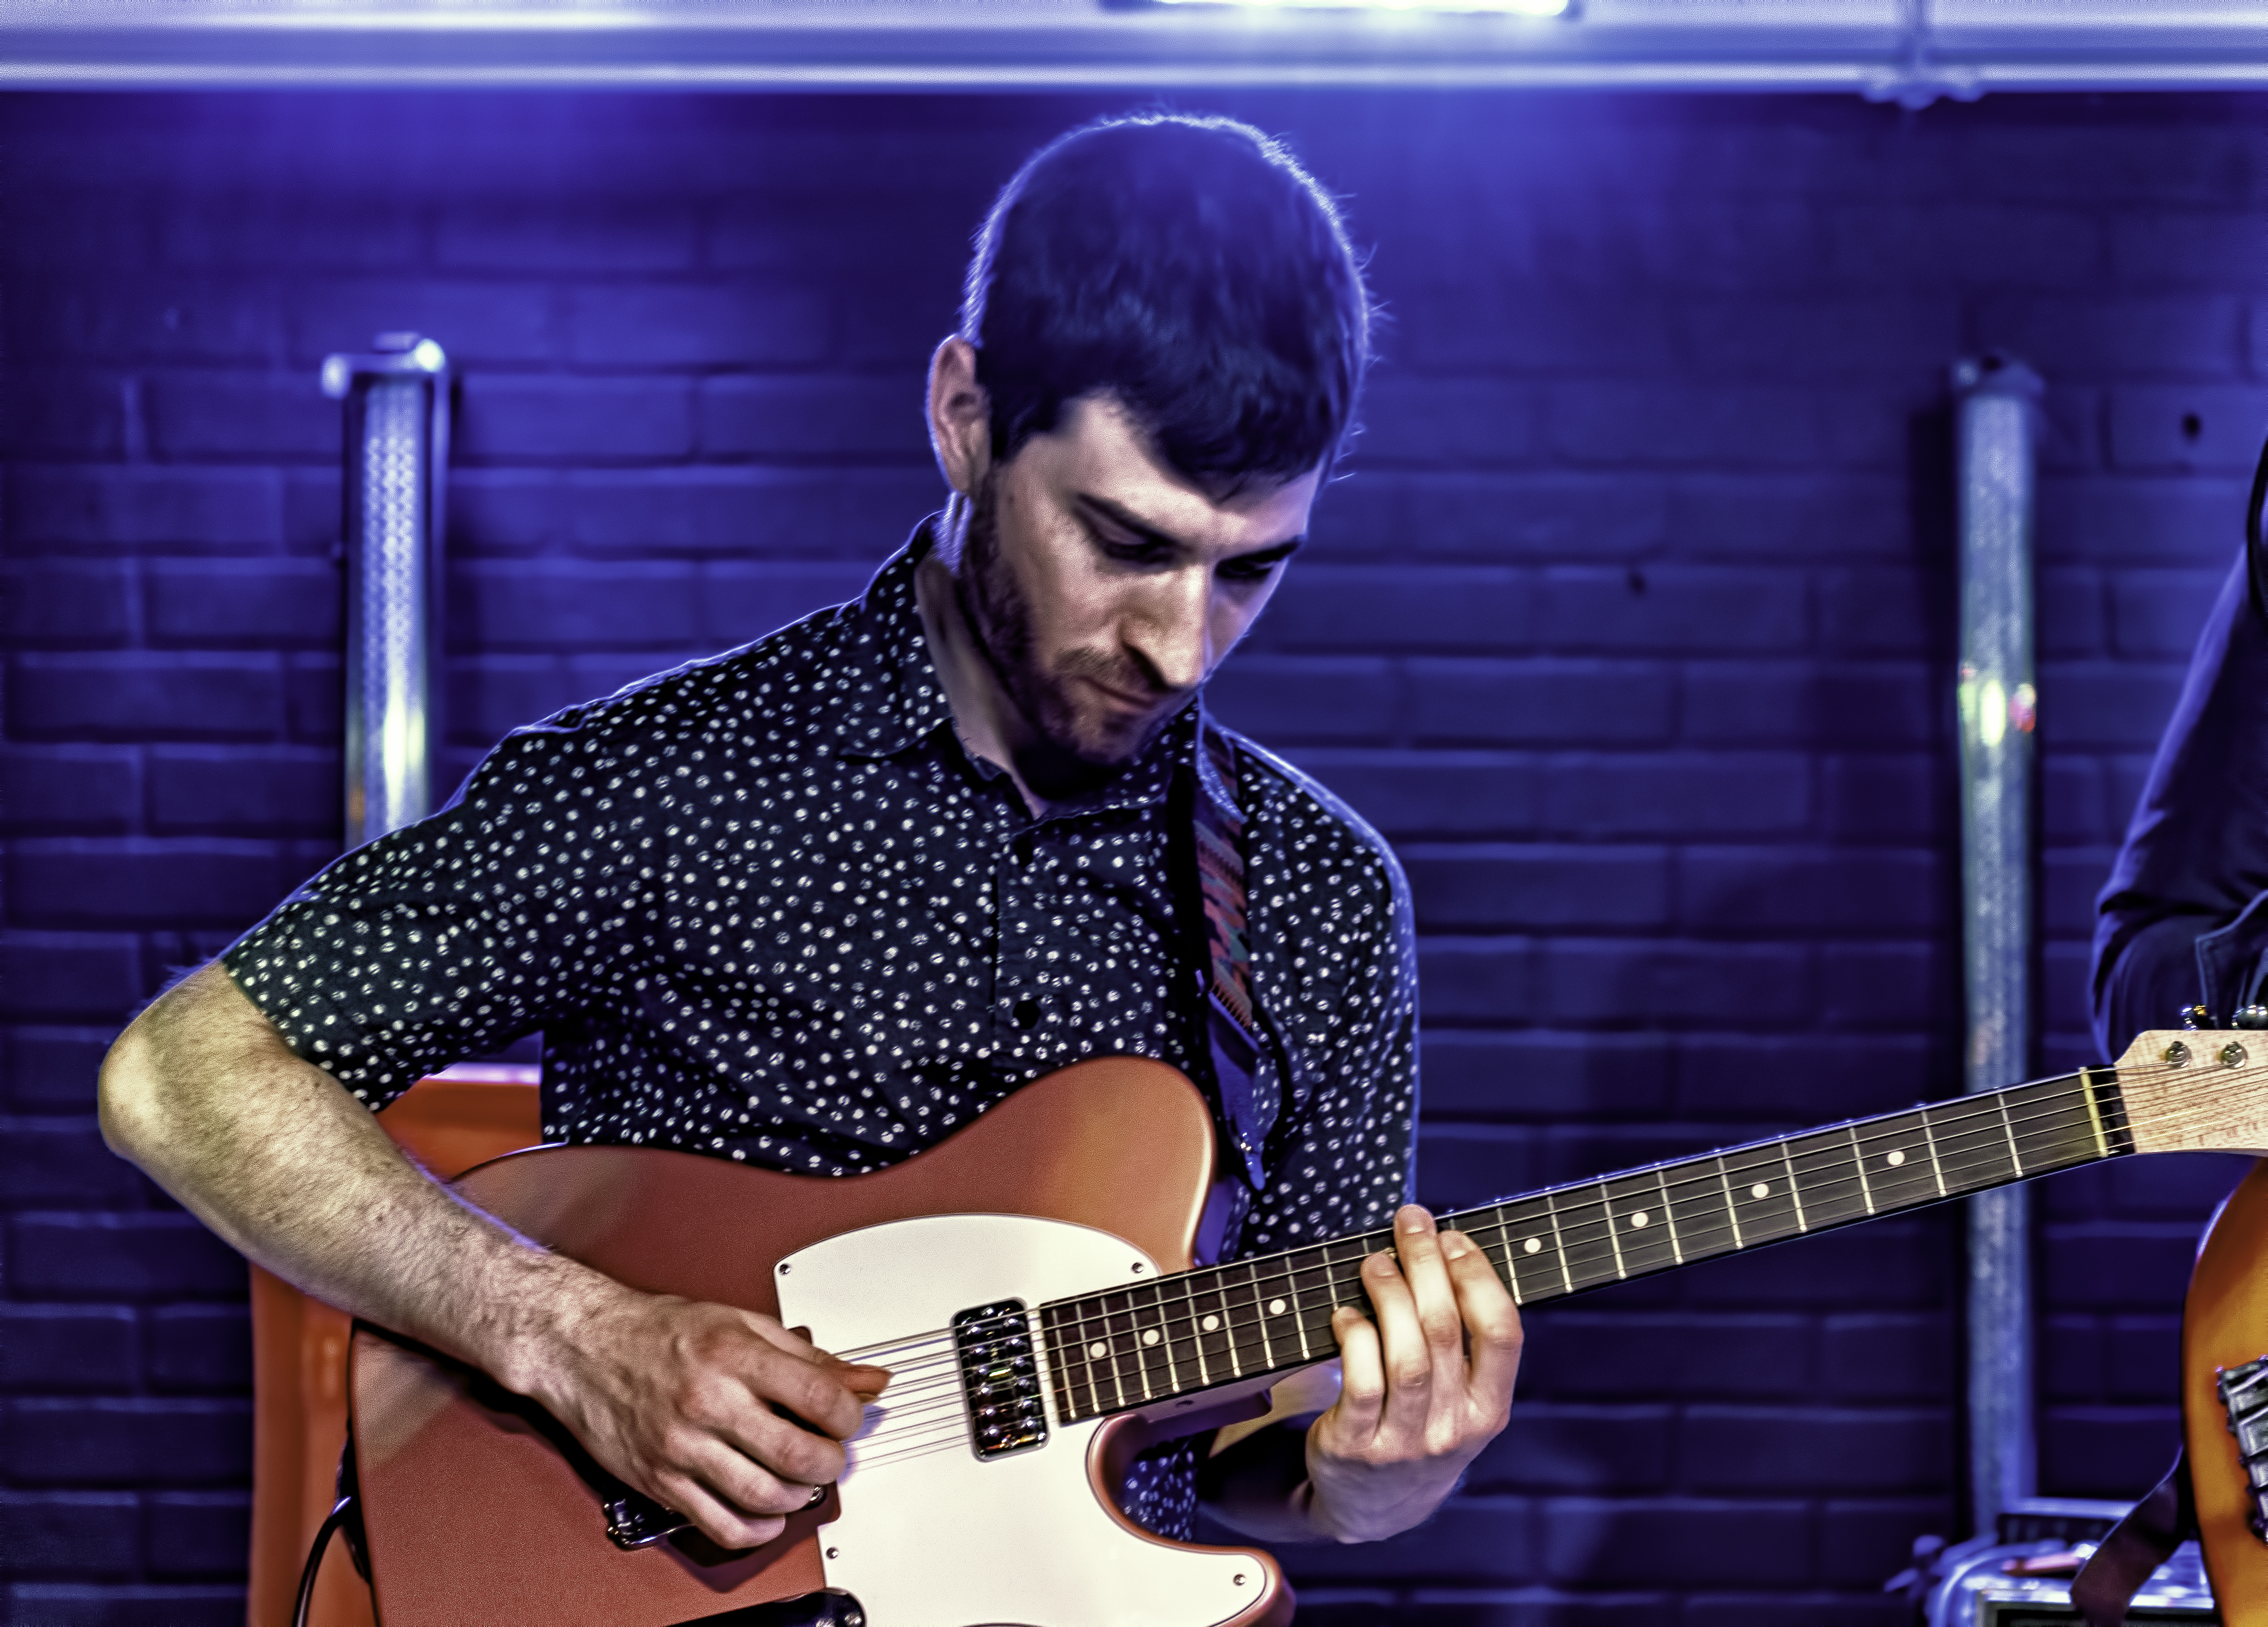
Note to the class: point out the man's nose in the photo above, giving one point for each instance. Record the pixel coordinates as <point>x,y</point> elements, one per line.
<point>1172,630</point>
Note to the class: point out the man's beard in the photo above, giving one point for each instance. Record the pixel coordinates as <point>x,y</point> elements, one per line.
<point>1000,614</point>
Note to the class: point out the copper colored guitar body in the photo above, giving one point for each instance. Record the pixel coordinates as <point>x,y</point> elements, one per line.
<point>477,1513</point>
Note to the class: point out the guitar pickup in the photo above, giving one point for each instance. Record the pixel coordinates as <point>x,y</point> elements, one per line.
<point>1000,1378</point>
<point>2244,1398</point>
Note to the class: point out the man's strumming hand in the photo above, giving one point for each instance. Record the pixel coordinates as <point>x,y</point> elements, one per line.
<point>1426,1385</point>
<point>718,1413</point>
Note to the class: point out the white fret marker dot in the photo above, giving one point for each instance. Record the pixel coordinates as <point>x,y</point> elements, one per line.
<point>1277,1307</point>
<point>1763,1189</point>
<point>1638,1218</point>
<point>1895,1159</point>
<point>1150,1336</point>
<point>1210,1324</point>
<point>1098,1351</point>
<point>1534,1245</point>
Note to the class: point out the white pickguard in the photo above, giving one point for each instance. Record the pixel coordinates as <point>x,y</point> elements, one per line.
<point>929,1535</point>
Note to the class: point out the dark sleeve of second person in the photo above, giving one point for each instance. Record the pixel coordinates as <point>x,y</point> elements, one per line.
<point>452,937</point>
<point>2182,920</point>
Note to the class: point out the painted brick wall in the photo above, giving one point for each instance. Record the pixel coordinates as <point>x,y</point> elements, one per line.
<point>1633,629</point>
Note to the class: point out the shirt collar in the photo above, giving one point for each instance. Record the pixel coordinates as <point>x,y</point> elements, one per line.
<point>893,699</point>
<point>891,695</point>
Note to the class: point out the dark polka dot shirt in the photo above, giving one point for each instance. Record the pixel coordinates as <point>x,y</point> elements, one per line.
<point>767,908</point>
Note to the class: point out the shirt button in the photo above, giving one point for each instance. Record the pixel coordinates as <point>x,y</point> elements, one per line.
<point>1027,1012</point>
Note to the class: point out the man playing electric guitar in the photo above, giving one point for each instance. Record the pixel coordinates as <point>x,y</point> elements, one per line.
<point>817,902</point>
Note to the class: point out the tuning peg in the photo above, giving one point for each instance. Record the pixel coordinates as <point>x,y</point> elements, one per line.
<point>2252,1017</point>
<point>2196,1016</point>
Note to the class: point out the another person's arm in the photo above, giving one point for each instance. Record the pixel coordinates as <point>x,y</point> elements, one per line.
<point>2181,921</point>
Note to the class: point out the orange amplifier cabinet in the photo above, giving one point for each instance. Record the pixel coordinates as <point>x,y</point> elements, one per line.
<point>465,1116</point>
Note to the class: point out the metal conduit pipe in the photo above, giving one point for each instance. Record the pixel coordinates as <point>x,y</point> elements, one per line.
<point>1913,52</point>
<point>397,411</point>
<point>1996,423</point>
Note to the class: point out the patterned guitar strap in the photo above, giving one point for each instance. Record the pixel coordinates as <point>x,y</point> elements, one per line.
<point>1245,1092</point>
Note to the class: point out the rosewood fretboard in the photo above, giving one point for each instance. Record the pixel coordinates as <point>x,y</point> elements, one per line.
<point>1133,1347</point>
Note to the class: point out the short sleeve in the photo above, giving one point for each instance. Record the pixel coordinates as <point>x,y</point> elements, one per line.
<point>449,938</point>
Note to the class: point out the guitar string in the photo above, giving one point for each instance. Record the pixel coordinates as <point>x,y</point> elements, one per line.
<point>2073,1102</point>
<point>1956,1169</point>
<point>2069,1102</point>
<point>1264,1363</point>
<point>1575,1248</point>
<point>928,1401</point>
<point>903,1415</point>
<point>932,1432</point>
<point>937,1335</point>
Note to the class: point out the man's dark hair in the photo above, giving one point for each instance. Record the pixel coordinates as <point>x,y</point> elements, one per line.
<point>1190,269</point>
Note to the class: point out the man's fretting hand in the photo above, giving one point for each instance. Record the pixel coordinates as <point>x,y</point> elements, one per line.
<point>720,1414</point>
<point>1426,1385</point>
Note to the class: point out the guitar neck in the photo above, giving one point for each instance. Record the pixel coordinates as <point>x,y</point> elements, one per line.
<point>1135,1347</point>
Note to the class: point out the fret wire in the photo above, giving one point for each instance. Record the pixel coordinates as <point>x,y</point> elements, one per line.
<point>2094,1112</point>
<point>1166,1338</point>
<point>1196,1339</point>
<point>1267,1345</point>
<point>1165,1341</point>
<point>2016,1159</point>
<point>1134,1343</point>
<point>1606,1208</point>
<point>1110,1343</point>
<point>1504,1241</point>
<point>1222,1340</point>
<point>1669,1214</point>
<point>1093,1383</point>
<point>1936,1165</point>
<point>1795,1193</point>
<point>1060,1369</point>
<point>1119,1358</point>
<point>1288,1296</point>
<point>1074,1348</point>
<point>1732,1209</point>
<point>1217,1307</point>
<point>1300,1318</point>
<point>1859,1158</point>
<point>1558,1243</point>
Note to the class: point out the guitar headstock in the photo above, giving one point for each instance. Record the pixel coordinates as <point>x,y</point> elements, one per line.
<point>2197,1090</point>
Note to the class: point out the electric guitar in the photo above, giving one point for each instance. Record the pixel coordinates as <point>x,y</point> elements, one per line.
<point>2225,1403</point>
<point>1029,1283</point>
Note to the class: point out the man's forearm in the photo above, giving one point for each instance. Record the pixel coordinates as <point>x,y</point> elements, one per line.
<point>274,1155</point>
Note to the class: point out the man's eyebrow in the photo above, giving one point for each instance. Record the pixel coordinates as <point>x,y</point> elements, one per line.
<point>1127,521</point>
<point>1150,534</point>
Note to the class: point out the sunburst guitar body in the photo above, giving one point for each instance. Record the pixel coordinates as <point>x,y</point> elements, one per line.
<point>2225,1334</point>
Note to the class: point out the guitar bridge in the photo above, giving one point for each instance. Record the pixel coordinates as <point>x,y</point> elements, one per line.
<point>1000,1378</point>
<point>2244,1397</point>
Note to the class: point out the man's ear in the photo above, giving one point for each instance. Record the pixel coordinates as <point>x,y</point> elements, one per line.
<point>960,416</point>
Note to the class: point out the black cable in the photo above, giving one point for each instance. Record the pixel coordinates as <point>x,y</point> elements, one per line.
<point>2256,552</point>
<point>332,1521</point>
